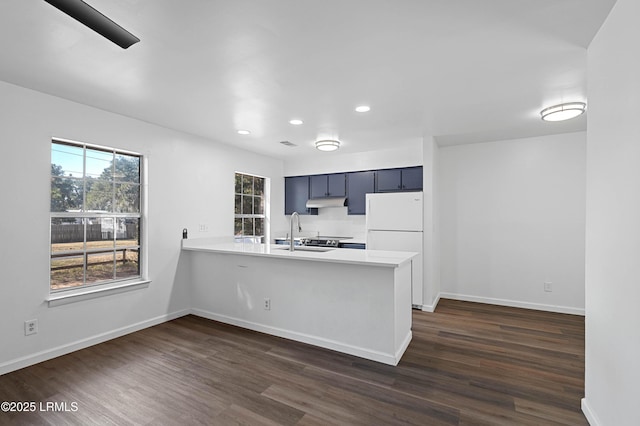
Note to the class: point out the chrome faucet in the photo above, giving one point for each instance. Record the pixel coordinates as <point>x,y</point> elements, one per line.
<point>297,216</point>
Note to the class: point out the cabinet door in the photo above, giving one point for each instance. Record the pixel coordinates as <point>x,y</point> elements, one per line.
<point>332,185</point>
<point>296,194</point>
<point>389,180</point>
<point>336,185</point>
<point>358,185</point>
<point>412,179</point>
<point>318,186</point>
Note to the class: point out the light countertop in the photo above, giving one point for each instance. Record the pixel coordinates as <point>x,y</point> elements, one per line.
<point>350,256</point>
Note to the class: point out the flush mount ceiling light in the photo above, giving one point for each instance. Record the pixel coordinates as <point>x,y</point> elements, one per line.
<point>327,145</point>
<point>295,122</point>
<point>244,132</point>
<point>87,15</point>
<point>363,108</point>
<point>563,111</point>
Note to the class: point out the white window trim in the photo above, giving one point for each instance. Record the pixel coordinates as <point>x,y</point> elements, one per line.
<point>88,292</point>
<point>93,292</point>
<point>267,204</point>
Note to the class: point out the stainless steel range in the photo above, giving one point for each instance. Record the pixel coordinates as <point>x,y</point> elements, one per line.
<point>322,241</point>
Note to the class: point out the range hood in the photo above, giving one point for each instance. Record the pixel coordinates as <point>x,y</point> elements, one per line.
<point>318,203</point>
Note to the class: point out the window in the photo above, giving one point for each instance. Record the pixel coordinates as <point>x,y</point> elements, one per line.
<point>95,215</point>
<point>249,217</point>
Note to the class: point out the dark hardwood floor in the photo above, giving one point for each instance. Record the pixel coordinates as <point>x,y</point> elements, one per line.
<point>468,364</point>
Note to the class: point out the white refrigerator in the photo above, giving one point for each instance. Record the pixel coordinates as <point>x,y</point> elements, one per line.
<point>394,222</point>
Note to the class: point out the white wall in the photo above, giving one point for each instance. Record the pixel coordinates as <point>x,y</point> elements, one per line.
<point>330,162</point>
<point>431,224</point>
<point>613,221</point>
<point>512,216</point>
<point>191,182</point>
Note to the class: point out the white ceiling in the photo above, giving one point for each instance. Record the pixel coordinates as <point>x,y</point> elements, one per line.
<point>461,70</point>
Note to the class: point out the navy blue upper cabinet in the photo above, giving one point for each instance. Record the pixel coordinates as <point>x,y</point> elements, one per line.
<point>353,185</point>
<point>389,180</point>
<point>412,179</point>
<point>337,185</point>
<point>331,185</point>
<point>405,179</point>
<point>358,185</point>
<point>296,194</point>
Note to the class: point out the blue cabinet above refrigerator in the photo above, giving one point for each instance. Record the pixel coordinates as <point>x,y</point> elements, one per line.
<point>352,185</point>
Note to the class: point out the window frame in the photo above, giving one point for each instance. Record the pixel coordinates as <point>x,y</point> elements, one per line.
<point>264,197</point>
<point>84,215</point>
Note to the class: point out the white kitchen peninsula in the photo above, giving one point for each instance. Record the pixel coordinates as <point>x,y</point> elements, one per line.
<point>352,301</point>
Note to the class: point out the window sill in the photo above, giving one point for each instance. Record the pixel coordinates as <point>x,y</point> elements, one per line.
<point>72,296</point>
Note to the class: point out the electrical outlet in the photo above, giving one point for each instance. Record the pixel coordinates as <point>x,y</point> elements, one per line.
<point>203,227</point>
<point>548,286</point>
<point>30,327</point>
<point>267,304</point>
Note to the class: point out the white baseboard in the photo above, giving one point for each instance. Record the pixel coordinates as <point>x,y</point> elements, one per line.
<point>589,414</point>
<point>431,307</point>
<point>48,354</point>
<point>385,358</point>
<point>514,303</point>
<point>403,347</point>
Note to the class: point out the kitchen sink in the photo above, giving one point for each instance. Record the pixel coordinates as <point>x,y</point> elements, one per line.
<point>306,248</point>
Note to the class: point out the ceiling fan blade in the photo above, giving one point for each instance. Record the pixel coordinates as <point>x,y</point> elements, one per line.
<point>87,15</point>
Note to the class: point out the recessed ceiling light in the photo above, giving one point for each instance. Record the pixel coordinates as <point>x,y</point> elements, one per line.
<point>327,145</point>
<point>563,111</point>
<point>363,108</point>
<point>244,132</point>
<point>296,122</point>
